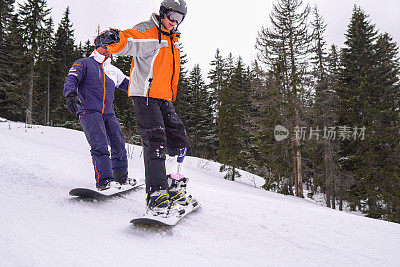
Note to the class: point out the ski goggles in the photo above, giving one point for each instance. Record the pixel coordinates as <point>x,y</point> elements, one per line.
<point>175,16</point>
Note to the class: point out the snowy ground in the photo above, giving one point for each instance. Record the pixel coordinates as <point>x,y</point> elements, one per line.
<point>238,225</point>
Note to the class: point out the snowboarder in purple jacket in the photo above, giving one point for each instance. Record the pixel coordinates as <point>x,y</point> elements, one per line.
<point>89,89</point>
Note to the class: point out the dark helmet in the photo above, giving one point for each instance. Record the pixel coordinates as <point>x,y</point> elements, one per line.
<point>176,5</point>
<point>107,37</point>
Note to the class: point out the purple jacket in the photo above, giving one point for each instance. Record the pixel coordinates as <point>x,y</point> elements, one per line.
<point>94,80</point>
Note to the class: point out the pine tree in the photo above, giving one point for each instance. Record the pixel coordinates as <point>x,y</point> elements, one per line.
<point>33,15</point>
<point>80,52</point>
<point>64,54</point>
<point>6,12</point>
<point>88,48</point>
<point>275,111</point>
<point>285,47</point>
<point>319,47</point>
<point>386,101</point>
<point>216,75</point>
<point>8,78</point>
<point>183,101</point>
<point>231,121</point>
<point>186,106</point>
<point>250,125</point>
<point>43,69</point>
<point>356,66</point>
<point>368,97</point>
<point>338,184</point>
<point>17,83</point>
<point>199,124</point>
<point>255,117</point>
<point>325,169</point>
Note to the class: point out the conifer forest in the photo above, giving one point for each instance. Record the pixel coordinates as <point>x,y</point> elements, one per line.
<point>307,117</point>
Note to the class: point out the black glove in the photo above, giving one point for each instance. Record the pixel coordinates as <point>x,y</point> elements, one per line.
<point>73,102</point>
<point>108,37</point>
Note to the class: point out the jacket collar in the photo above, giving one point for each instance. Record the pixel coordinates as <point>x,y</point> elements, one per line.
<point>154,18</point>
<point>100,58</point>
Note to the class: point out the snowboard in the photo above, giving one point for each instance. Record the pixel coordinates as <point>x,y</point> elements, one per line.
<point>87,193</point>
<point>164,221</point>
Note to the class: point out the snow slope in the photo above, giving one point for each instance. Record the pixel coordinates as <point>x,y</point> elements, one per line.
<point>238,225</point>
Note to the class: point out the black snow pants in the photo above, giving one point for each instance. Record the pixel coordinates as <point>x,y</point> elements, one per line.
<point>161,131</point>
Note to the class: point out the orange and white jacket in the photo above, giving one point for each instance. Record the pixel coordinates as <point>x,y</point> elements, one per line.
<point>155,65</point>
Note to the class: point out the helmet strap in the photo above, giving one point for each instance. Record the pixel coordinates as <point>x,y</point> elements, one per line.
<point>159,29</point>
<point>163,12</point>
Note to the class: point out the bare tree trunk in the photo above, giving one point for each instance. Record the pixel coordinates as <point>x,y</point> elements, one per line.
<point>299,176</point>
<point>333,201</point>
<point>340,192</point>
<point>328,199</point>
<point>330,176</point>
<point>333,180</point>
<point>296,188</point>
<point>327,175</point>
<point>48,97</point>
<point>30,95</point>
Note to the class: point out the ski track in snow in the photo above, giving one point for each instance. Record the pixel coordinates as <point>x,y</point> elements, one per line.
<point>237,225</point>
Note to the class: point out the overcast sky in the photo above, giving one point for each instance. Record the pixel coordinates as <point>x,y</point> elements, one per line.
<point>229,25</point>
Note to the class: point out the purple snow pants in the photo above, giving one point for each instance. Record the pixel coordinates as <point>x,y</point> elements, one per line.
<point>102,130</point>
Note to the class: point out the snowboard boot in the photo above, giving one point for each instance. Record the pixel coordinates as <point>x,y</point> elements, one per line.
<point>108,185</point>
<point>177,190</point>
<point>158,203</point>
<point>121,178</point>
<point>129,182</point>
